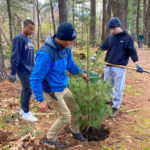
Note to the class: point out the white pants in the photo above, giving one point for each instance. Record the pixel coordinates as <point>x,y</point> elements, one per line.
<point>117,77</point>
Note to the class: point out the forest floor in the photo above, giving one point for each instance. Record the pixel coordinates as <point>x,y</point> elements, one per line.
<point>130,131</point>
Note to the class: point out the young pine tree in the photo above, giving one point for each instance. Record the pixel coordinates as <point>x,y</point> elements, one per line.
<point>91,96</point>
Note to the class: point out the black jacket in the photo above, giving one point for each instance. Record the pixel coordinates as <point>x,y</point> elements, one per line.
<point>119,48</point>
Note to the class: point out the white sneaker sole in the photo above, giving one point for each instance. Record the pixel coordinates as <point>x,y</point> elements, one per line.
<point>30,120</point>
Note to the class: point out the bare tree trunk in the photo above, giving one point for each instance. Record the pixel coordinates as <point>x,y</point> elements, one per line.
<point>104,20</point>
<point>4,36</point>
<point>53,18</point>
<point>82,31</point>
<point>144,20</point>
<point>114,7</point>
<point>73,12</point>
<point>137,18</point>
<point>34,18</point>
<point>3,74</point>
<point>10,20</point>
<point>119,10</point>
<point>108,15</point>
<point>93,23</point>
<point>34,8</point>
<point>62,11</point>
<point>126,14</point>
<point>38,20</point>
<point>148,22</point>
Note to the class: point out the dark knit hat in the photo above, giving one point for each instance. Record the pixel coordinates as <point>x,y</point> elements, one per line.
<point>66,32</point>
<point>114,22</point>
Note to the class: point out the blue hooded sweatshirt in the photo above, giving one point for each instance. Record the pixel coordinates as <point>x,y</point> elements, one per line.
<point>49,73</point>
<point>22,55</point>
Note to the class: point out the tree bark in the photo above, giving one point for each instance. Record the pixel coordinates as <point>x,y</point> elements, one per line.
<point>108,15</point>
<point>3,74</point>
<point>104,20</point>
<point>121,11</point>
<point>38,20</point>
<point>137,18</point>
<point>34,20</point>
<point>62,11</point>
<point>126,14</point>
<point>144,20</point>
<point>148,22</point>
<point>10,20</point>
<point>4,37</point>
<point>53,18</point>
<point>119,8</point>
<point>73,12</point>
<point>93,23</point>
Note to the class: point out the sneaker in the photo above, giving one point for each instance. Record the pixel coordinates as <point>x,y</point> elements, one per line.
<point>51,144</point>
<point>79,136</point>
<point>115,112</point>
<point>109,103</point>
<point>22,112</point>
<point>29,117</point>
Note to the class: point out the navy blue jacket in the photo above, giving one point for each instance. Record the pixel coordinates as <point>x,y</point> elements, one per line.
<point>119,48</point>
<point>22,54</point>
<point>49,73</point>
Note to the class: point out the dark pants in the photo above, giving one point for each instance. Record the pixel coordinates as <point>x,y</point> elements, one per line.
<point>140,43</point>
<point>26,90</point>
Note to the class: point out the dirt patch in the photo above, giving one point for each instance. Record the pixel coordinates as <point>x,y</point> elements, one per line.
<point>129,131</point>
<point>93,134</point>
<point>4,137</point>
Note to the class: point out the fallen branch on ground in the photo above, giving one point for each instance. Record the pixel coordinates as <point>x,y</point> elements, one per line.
<point>132,110</point>
<point>127,102</point>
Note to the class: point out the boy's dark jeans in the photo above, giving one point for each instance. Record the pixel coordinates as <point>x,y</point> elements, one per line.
<point>26,90</point>
<point>140,43</point>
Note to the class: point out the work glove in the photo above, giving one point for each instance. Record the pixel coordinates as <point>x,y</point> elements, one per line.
<point>12,78</point>
<point>139,69</point>
<point>93,58</point>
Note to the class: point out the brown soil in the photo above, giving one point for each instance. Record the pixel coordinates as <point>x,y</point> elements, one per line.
<point>130,131</point>
<point>93,134</point>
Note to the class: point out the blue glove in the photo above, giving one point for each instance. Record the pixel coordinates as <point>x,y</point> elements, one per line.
<point>139,69</point>
<point>12,78</point>
<point>93,58</point>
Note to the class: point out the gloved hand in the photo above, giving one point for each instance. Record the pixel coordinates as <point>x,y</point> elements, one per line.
<point>93,58</point>
<point>139,69</point>
<point>12,78</point>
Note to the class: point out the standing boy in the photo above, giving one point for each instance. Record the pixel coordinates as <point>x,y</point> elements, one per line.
<point>49,76</point>
<point>120,46</point>
<point>22,63</point>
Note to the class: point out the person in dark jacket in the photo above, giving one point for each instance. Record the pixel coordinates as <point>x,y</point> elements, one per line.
<point>49,82</point>
<point>120,46</point>
<point>22,63</point>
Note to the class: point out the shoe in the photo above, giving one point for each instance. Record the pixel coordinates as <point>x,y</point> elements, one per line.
<point>22,112</point>
<point>29,117</point>
<point>79,136</point>
<point>109,103</point>
<point>50,144</point>
<point>115,112</point>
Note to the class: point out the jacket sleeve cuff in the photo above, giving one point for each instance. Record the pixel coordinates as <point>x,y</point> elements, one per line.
<point>81,72</point>
<point>40,99</point>
<point>135,59</point>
